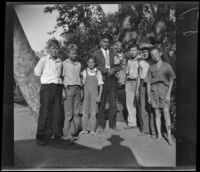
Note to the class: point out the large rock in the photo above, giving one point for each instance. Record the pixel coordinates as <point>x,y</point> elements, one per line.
<point>24,63</point>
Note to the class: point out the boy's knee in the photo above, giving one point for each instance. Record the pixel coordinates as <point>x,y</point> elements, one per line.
<point>93,116</point>
<point>76,115</point>
<point>68,117</point>
<point>85,115</point>
<point>157,113</point>
<point>166,112</point>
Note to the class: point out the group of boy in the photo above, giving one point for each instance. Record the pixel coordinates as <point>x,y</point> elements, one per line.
<point>96,85</point>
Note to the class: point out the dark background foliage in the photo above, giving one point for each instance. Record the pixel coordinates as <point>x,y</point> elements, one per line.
<point>138,23</point>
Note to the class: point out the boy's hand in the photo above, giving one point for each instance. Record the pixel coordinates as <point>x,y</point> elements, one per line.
<point>110,72</point>
<point>82,95</point>
<point>149,100</point>
<point>65,92</point>
<point>98,99</point>
<point>64,96</point>
<point>137,94</point>
<point>167,98</point>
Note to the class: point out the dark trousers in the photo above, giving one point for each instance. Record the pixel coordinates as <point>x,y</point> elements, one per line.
<point>145,113</point>
<point>109,93</point>
<point>51,113</point>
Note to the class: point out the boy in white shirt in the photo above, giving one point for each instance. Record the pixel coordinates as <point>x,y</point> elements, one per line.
<point>51,115</point>
<point>134,75</point>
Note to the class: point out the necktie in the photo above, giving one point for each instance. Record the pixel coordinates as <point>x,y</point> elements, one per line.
<point>107,59</point>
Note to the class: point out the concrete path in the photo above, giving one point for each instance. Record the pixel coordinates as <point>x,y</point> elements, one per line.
<point>113,149</point>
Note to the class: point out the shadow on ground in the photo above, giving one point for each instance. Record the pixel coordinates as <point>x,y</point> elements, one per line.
<point>64,155</point>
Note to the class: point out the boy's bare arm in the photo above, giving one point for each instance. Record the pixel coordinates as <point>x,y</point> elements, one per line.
<point>149,92</point>
<point>138,82</point>
<point>38,70</point>
<point>169,90</point>
<point>100,93</point>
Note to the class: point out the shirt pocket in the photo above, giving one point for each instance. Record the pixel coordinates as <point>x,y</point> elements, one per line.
<point>155,76</point>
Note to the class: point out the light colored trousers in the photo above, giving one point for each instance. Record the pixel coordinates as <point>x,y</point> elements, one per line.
<point>72,106</point>
<point>130,95</point>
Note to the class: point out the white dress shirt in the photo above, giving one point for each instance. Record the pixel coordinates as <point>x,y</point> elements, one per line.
<point>106,56</point>
<point>49,70</point>
<point>132,68</point>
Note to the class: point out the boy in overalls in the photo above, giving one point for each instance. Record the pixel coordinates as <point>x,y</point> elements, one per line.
<point>92,80</point>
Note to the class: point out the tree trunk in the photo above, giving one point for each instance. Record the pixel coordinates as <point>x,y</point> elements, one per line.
<point>24,63</point>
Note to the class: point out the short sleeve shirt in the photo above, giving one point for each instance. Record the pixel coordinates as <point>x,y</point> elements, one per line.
<point>49,70</point>
<point>92,73</point>
<point>163,74</point>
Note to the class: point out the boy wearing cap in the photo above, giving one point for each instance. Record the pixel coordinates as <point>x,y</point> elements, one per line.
<point>105,63</point>
<point>145,114</point>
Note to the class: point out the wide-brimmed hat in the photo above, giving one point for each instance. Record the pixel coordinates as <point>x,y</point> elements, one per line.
<point>145,46</point>
<point>115,139</point>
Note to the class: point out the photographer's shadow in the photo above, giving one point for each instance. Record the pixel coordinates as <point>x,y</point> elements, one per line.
<point>117,155</point>
<point>114,155</point>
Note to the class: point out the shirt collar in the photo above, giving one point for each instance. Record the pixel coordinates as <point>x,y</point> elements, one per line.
<point>104,49</point>
<point>56,60</point>
<point>69,61</point>
<point>92,70</point>
<point>136,58</point>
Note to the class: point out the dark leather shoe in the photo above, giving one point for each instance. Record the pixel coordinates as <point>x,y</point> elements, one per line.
<point>41,142</point>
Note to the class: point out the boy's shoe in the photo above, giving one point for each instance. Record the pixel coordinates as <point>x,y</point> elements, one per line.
<point>158,139</point>
<point>153,136</point>
<point>83,132</point>
<point>58,139</point>
<point>169,139</point>
<point>143,133</point>
<point>41,142</point>
<point>116,129</point>
<point>71,139</point>
<point>93,133</point>
<point>130,127</point>
<point>100,130</point>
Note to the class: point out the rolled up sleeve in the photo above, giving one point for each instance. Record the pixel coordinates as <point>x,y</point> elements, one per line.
<point>147,79</point>
<point>38,70</point>
<point>99,78</point>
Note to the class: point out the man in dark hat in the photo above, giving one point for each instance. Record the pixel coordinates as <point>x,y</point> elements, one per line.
<point>105,63</point>
<point>145,114</point>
